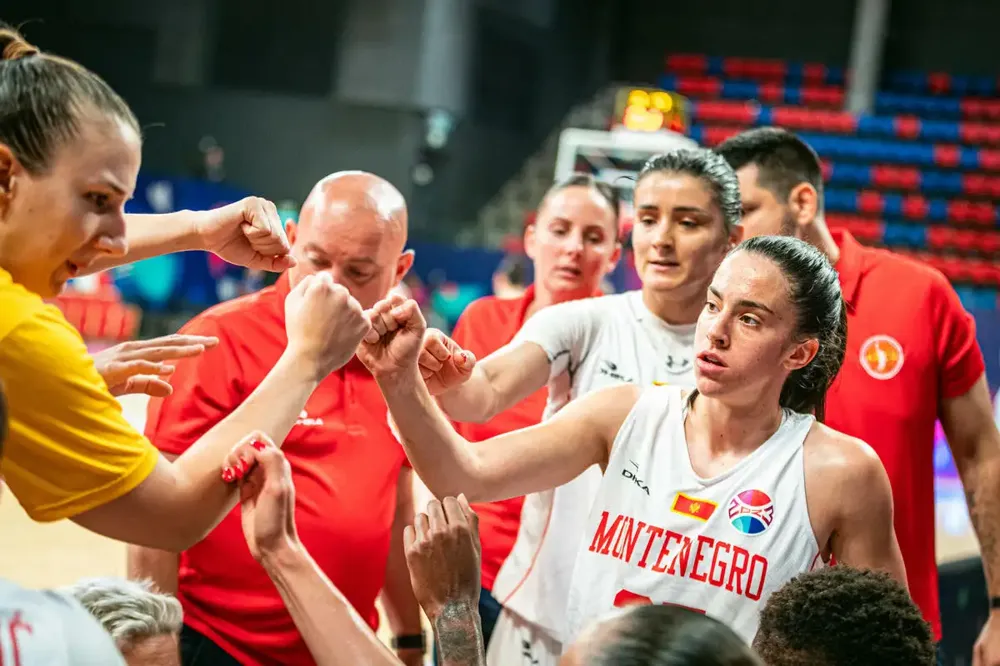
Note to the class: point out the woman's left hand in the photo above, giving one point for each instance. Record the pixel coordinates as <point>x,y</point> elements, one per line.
<point>139,366</point>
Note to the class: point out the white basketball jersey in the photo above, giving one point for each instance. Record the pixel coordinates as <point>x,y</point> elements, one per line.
<point>592,344</point>
<point>658,533</point>
<point>49,629</point>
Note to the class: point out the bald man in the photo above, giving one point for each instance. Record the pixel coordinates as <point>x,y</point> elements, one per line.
<point>352,482</point>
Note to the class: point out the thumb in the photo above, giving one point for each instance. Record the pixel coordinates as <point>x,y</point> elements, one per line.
<point>466,361</point>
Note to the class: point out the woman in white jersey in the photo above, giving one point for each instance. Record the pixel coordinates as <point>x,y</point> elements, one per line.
<point>711,499</point>
<point>687,208</point>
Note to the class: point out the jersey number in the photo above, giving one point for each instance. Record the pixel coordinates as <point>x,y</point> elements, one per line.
<point>625,598</point>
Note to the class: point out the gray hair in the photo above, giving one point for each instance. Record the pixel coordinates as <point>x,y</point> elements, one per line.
<point>711,168</point>
<point>128,610</point>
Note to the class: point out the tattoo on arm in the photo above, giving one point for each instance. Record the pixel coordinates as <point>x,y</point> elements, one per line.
<point>460,635</point>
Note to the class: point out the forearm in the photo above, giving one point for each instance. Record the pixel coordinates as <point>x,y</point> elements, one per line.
<point>982,491</point>
<point>401,607</point>
<point>440,456</point>
<point>459,635</point>
<point>152,236</point>
<point>473,401</point>
<point>332,630</point>
<point>159,566</point>
<point>202,499</point>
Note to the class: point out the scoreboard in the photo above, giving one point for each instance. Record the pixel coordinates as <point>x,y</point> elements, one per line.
<point>650,110</point>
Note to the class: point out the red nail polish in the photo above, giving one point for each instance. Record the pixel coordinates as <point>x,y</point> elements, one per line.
<point>244,465</point>
<point>257,444</point>
<point>227,475</point>
<point>239,473</point>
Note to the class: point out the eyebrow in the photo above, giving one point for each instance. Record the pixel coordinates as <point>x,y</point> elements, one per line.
<point>113,184</point>
<point>677,209</point>
<point>743,302</point>
<point>357,260</point>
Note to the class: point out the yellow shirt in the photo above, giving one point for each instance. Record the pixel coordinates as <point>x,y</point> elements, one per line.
<point>69,448</point>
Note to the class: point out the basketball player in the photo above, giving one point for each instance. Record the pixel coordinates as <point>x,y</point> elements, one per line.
<point>710,500</point>
<point>573,244</point>
<point>70,150</point>
<point>912,358</point>
<point>687,218</point>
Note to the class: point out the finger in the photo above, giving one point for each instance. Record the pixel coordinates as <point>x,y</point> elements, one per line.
<point>395,299</point>
<point>175,340</point>
<point>453,512</point>
<point>435,516</point>
<point>470,515</point>
<point>435,346</point>
<point>428,362</point>
<point>465,361</point>
<point>140,367</point>
<point>409,536</point>
<point>421,527</point>
<point>406,312</point>
<point>242,456</point>
<point>164,353</point>
<point>152,386</point>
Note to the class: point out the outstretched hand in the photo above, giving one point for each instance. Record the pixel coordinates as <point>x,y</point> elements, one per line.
<point>392,345</point>
<point>140,365</point>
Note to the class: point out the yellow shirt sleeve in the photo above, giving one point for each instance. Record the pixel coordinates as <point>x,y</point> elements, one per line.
<point>69,448</point>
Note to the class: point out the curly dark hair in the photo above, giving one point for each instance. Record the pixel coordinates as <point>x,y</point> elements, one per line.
<point>838,616</point>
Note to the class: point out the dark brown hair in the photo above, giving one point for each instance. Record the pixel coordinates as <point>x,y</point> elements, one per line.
<point>44,99</point>
<point>609,193</point>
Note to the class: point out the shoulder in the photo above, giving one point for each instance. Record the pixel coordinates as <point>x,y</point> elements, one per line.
<point>903,269</point>
<point>17,304</point>
<point>834,458</point>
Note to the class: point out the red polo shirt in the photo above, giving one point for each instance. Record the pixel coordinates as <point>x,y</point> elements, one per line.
<point>910,345</point>
<point>345,463</point>
<point>485,326</point>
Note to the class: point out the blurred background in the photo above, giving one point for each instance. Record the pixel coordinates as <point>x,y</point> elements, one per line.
<point>472,108</point>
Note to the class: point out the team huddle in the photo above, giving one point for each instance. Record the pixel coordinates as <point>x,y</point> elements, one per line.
<point>699,442</point>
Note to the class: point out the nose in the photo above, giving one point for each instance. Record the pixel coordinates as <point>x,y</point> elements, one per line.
<point>112,240</point>
<point>718,332</point>
<point>574,243</point>
<point>663,235</point>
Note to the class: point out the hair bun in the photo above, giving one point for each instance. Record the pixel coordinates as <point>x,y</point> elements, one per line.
<point>13,46</point>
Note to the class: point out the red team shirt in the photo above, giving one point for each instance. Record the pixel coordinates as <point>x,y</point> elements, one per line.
<point>487,325</point>
<point>345,463</point>
<point>910,345</point>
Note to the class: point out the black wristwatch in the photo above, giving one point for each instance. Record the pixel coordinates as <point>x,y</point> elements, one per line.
<point>994,603</point>
<point>410,642</point>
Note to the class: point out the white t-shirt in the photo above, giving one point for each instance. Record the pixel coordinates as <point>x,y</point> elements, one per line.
<point>659,533</point>
<point>39,628</point>
<point>591,344</point>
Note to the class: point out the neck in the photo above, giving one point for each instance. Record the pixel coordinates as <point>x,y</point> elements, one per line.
<point>734,428</point>
<point>818,235</point>
<point>543,298</point>
<point>674,309</point>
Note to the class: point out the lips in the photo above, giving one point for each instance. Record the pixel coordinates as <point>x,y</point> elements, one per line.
<point>569,271</point>
<point>712,359</point>
<point>664,263</point>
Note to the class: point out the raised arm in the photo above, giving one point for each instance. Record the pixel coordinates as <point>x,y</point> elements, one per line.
<point>497,383</point>
<point>513,464</point>
<point>550,343</point>
<point>857,489</point>
<point>247,233</point>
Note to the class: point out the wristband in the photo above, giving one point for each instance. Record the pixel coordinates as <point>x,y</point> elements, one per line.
<point>409,642</point>
<point>994,603</point>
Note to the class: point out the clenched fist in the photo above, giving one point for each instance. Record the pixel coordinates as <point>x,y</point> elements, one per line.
<point>443,364</point>
<point>395,338</point>
<point>324,323</point>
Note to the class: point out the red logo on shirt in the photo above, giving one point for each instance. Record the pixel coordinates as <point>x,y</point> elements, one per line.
<point>882,356</point>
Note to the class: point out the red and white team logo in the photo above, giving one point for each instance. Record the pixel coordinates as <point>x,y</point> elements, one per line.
<point>882,356</point>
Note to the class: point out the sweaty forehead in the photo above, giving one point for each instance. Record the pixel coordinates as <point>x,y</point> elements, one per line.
<point>743,275</point>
